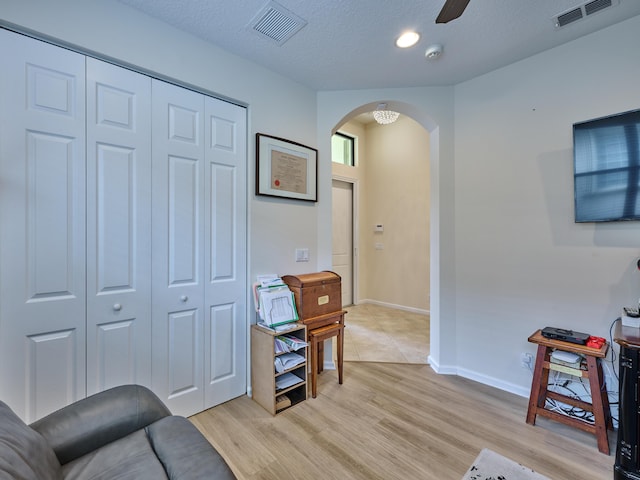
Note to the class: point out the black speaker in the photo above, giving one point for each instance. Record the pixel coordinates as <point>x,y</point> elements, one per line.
<point>627,466</point>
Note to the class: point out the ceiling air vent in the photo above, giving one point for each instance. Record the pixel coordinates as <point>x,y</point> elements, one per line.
<point>597,5</point>
<point>277,23</point>
<point>569,17</point>
<point>582,11</point>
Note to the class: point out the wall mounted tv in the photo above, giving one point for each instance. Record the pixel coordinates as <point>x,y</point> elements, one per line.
<point>606,166</point>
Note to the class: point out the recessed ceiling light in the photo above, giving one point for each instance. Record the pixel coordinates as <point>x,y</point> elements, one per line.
<point>407,39</point>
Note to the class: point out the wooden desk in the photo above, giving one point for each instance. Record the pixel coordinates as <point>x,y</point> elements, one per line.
<point>599,405</point>
<point>319,329</point>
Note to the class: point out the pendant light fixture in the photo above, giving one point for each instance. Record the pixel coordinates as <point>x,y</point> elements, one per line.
<point>384,116</point>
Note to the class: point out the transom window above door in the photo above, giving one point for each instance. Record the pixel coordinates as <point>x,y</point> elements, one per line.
<point>343,149</point>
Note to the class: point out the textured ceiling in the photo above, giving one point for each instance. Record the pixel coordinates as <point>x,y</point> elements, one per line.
<point>349,44</point>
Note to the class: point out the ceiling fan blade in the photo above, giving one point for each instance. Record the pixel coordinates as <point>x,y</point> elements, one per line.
<point>452,9</point>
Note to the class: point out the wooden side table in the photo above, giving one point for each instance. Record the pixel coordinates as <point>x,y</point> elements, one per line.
<point>599,405</point>
<point>319,329</point>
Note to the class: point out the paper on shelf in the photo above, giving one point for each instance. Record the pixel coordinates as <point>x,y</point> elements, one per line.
<point>287,380</point>
<point>269,279</point>
<point>285,327</point>
<point>277,305</point>
<point>287,361</point>
<point>288,343</point>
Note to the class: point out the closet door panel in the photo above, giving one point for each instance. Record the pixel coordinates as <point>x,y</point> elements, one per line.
<point>118,227</point>
<point>51,360</point>
<point>225,252</point>
<point>183,353</point>
<point>178,177</point>
<point>183,222</point>
<point>42,233</point>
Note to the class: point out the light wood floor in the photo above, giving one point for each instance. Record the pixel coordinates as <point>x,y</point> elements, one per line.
<point>375,333</point>
<point>395,421</point>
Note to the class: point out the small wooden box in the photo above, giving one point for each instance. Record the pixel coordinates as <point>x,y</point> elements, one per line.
<point>315,293</point>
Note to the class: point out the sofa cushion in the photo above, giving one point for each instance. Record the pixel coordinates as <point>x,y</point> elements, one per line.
<point>24,453</point>
<point>185,452</point>
<point>130,457</point>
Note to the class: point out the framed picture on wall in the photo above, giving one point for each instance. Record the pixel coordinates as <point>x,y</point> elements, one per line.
<point>286,169</point>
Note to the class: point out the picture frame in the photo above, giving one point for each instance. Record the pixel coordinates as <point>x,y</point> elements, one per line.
<point>286,169</point>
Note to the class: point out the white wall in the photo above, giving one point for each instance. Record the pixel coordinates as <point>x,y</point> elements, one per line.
<point>521,261</point>
<point>276,105</point>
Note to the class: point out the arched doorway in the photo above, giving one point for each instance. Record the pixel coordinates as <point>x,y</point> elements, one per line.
<point>389,191</point>
<point>433,109</point>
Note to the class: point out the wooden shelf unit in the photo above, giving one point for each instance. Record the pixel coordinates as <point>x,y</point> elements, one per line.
<point>263,371</point>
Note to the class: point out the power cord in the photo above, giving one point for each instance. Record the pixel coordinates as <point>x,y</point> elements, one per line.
<point>613,353</point>
<point>559,383</point>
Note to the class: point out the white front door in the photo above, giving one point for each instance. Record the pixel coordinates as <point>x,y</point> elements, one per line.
<point>42,226</point>
<point>343,252</point>
<point>118,227</point>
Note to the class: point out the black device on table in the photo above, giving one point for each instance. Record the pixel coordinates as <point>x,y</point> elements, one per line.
<point>565,335</point>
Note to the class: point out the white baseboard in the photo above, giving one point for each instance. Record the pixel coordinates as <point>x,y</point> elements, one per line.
<point>439,369</point>
<point>395,306</point>
<point>329,365</point>
<point>495,382</point>
<point>480,378</point>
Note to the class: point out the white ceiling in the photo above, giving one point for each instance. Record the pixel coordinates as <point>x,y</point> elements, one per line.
<point>349,44</point>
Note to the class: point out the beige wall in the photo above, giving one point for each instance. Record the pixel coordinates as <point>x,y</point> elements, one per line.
<point>393,189</point>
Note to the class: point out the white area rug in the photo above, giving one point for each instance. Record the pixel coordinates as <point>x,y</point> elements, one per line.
<point>492,466</point>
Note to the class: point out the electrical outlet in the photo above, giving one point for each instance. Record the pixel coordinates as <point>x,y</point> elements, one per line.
<point>526,360</point>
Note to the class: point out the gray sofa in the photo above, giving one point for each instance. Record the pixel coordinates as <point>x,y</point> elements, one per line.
<point>125,433</point>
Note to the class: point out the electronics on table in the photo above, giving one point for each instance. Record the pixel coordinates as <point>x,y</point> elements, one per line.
<point>570,336</point>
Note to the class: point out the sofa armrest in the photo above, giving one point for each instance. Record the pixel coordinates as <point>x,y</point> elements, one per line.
<point>185,453</point>
<point>95,421</point>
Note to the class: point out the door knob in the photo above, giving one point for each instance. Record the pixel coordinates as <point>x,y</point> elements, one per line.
<point>117,307</point>
<point>184,298</point>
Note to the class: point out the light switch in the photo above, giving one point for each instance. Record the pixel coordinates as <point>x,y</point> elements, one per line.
<point>302,254</point>
<point>379,246</point>
<point>378,227</point>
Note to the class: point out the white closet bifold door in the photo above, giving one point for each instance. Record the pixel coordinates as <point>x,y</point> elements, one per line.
<point>123,217</point>
<point>178,243</point>
<point>118,227</point>
<point>42,226</point>
<point>225,246</point>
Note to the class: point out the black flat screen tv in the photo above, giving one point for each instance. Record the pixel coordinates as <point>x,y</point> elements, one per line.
<point>606,166</point>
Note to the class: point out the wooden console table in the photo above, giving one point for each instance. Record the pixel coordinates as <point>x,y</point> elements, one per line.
<point>599,405</point>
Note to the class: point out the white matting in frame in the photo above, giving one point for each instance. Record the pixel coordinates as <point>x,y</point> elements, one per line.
<point>286,169</point>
